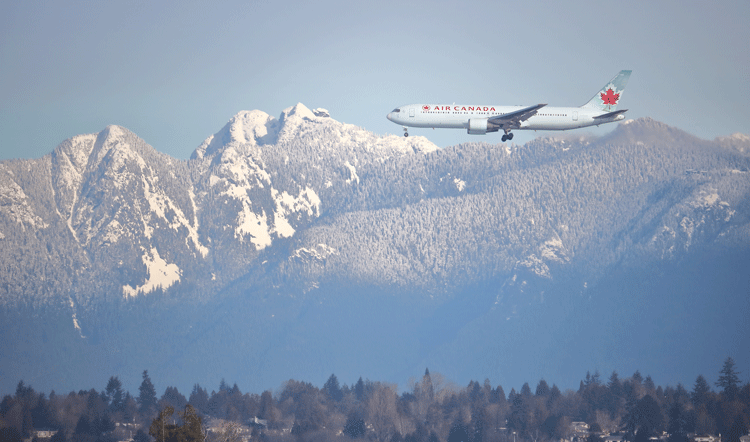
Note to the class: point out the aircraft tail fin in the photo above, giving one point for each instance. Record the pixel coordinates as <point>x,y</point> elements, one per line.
<point>610,95</point>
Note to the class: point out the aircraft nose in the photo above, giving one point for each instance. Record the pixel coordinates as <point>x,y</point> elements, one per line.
<point>389,116</point>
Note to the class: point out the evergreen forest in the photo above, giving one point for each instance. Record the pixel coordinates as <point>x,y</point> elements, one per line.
<point>431,409</point>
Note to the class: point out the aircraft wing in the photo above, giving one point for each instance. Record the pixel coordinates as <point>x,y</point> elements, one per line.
<point>513,119</point>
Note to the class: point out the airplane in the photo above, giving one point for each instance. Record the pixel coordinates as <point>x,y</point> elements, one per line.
<point>479,120</point>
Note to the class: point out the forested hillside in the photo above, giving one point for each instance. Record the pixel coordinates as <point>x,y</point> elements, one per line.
<point>305,243</point>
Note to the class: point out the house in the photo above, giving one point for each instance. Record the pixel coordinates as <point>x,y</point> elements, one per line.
<point>44,434</point>
<point>579,427</point>
<point>706,438</point>
<point>260,424</point>
<point>40,434</point>
<point>615,438</point>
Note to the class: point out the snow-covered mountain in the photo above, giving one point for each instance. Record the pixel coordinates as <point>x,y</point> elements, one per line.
<point>119,219</point>
<point>295,241</point>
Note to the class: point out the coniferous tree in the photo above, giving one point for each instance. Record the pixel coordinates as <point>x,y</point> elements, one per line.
<point>458,432</point>
<point>332,388</point>
<point>729,379</point>
<point>354,426</point>
<point>637,377</point>
<point>649,383</point>
<point>595,378</point>
<point>141,436</point>
<point>10,434</point>
<point>525,390</point>
<point>57,437</point>
<point>587,380</point>
<point>678,426</point>
<point>737,430</point>
<point>542,389</point>
<point>147,396</point>
<point>192,426</point>
<point>699,396</point>
<point>173,398</point>
<point>614,384</point>
<point>644,419</point>
<point>474,390</point>
<point>427,388</point>
<point>199,398</point>
<point>499,394</point>
<point>267,406</point>
<point>115,394</point>
<point>554,393</point>
<point>359,389</point>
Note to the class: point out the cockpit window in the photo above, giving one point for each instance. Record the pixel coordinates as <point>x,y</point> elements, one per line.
<point>397,110</point>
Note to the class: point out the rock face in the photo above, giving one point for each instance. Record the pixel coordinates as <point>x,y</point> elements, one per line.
<point>280,236</point>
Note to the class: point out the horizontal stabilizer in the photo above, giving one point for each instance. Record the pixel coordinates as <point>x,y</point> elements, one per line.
<point>610,114</point>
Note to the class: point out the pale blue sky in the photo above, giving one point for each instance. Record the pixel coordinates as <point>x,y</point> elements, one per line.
<point>176,72</point>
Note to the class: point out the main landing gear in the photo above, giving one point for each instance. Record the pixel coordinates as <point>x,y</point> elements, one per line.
<point>508,135</point>
<point>406,134</point>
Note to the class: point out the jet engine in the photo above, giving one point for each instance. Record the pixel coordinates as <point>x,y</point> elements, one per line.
<point>477,126</point>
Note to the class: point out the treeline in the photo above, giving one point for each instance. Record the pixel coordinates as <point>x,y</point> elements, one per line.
<point>432,410</point>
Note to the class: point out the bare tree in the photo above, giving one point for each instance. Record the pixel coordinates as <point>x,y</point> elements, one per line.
<point>381,411</point>
<point>227,431</point>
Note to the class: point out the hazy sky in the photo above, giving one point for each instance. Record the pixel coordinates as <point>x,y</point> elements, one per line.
<point>176,72</point>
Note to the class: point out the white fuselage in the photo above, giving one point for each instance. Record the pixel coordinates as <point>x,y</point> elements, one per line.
<point>456,116</point>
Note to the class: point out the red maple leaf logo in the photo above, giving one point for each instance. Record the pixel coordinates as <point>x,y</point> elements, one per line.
<point>610,97</point>
<point>425,107</point>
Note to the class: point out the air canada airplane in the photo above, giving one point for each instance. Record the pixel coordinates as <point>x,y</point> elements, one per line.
<point>479,120</point>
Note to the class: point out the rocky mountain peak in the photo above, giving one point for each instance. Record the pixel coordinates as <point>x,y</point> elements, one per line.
<point>737,141</point>
<point>247,127</point>
<point>648,131</point>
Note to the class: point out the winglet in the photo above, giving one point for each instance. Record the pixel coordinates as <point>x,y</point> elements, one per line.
<point>610,95</point>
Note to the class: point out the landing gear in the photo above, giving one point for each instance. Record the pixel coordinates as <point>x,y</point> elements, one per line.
<point>508,135</point>
<point>406,134</point>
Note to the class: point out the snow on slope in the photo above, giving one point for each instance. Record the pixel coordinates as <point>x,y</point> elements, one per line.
<point>161,275</point>
<point>257,164</point>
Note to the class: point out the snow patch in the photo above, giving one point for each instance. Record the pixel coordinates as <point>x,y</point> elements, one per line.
<point>352,173</point>
<point>161,205</point>
<point>114,231</point>
<point>307,202</point>
<point>241,173</point>
<point>248,223</point>
<point>76,325</point>
<point>537,266</point>
<point>553,250</point>
<point>460,184</point>
<point>706,199</point>
<point>160,275</point>
<point>319,253</point>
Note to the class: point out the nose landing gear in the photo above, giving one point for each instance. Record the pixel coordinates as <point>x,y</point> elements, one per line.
<point>406,134</point>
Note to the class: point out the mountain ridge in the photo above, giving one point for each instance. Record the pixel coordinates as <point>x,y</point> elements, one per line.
<point>281,224</point>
